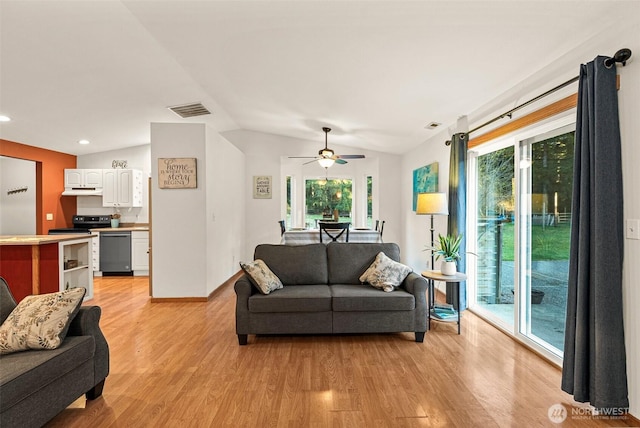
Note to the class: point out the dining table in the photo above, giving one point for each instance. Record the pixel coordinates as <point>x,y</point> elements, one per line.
<point>312,236</point>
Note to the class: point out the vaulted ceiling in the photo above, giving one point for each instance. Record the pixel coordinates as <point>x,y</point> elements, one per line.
<point>377,72</point>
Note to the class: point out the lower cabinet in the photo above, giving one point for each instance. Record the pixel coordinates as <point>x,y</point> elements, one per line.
<point>140,252</point>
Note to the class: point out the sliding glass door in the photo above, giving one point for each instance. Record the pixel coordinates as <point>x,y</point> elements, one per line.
<point>546,174</point>
<point>494,232</point>
<point>522,232</point>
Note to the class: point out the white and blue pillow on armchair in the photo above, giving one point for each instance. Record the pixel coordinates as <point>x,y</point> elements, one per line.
<point>385,273</point>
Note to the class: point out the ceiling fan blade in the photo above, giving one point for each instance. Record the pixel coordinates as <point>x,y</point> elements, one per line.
<point>340,161</point>
<point>311,161</point>
<point>302,157</point>
<point>350,156</point>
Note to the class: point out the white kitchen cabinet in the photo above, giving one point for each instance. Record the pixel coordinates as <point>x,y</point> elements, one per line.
<point>122,188</point>
<point>140,252</point>
<point>76,265</point>
<point>83,178</point>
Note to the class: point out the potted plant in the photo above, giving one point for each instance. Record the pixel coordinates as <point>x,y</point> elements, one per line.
<point>115,219</point>
<point>449,249</point>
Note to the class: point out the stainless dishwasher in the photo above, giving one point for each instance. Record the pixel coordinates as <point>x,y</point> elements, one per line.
<point>115,253</point>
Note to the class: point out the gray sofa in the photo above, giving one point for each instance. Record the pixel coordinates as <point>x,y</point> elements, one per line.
<point>36,385</point>
<point>322,294</point>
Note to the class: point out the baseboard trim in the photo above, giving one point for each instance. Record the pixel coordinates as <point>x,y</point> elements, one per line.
<point>224,285</point>
<point>178,299</point>
<point>212,295</point>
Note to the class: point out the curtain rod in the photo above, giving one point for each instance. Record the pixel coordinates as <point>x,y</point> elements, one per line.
<point>621,56</point>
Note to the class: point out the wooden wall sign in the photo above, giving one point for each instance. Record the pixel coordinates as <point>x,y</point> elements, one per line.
<point>261,187</point>
<point>177,173</point>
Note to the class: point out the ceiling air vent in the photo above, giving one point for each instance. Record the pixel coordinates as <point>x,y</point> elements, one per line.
<point>190,110</point>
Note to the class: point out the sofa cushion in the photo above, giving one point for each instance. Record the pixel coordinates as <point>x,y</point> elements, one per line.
<point>22,373</point>
<point>261,276</point>
<point>348,261</point>
<point>40,321</point>
<point>295,264</point>
<point>352,298</point>
<point>295,298</point>
<point>385,274</point>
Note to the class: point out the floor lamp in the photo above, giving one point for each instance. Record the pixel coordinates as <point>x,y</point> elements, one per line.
<point>432,204</point>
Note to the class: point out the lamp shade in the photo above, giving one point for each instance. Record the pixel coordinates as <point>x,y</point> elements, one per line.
<point>326,162</point>
<point>432,203</point>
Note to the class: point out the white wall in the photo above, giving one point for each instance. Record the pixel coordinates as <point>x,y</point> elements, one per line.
<point>225,209</point>
<point>566,67</point>
<point>267,154</point>
<point>17,210</point>
<point>197,234</point>
<point>417,233</point>
<point>138,157</point>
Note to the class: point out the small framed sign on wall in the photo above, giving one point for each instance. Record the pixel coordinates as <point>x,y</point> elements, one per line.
<point>177,173</point>
<point>261,187</point>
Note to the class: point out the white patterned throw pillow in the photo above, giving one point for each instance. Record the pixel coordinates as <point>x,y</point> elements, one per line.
<point>385,273</point>
<point>261,276</point>
<point>40,321</point>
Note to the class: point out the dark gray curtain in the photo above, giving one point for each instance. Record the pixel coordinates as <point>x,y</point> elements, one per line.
<point>457,223</point>
<point>594,367</point>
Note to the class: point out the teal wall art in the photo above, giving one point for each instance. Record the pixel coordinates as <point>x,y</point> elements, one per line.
<point>425,180</point>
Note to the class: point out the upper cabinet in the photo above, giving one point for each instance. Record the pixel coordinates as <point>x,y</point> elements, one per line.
<point>121,188</point>
<point>83,178</point>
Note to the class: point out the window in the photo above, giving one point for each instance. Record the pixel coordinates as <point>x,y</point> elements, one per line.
<point>288,202</point>
<point>369,221</point>
<point>325,196</point>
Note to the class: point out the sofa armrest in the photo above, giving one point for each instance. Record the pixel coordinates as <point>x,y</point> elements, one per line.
<point>87,323</point>
<point>417,285</point>
<point>244,289</point>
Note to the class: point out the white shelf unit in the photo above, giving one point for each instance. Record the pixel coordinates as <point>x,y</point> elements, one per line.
<point>82,274</point>
<point>95,251</point>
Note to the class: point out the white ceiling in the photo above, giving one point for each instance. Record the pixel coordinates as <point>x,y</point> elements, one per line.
<point>377,72</point>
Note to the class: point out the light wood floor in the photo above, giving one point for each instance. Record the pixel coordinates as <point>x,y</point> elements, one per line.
<point>180,365</point>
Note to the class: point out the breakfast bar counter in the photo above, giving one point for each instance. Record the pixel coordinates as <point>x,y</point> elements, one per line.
<point>38,239</point>
<point>38,264</point>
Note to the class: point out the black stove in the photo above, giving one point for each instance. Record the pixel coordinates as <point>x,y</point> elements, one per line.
<point>82,224</point>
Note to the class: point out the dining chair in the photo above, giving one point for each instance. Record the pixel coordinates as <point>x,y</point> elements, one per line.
<point>282,228</point>
<point>334,230</point>
<point>380,226</point>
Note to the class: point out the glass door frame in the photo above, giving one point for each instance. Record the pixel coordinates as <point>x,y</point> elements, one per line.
<point>521,300</point>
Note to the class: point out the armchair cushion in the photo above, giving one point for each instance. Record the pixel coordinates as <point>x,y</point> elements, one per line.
<point>40,321</point>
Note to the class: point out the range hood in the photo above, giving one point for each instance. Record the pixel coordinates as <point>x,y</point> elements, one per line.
<point>82,191</point>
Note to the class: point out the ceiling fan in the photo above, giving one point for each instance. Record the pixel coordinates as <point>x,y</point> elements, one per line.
<point>327,157</point>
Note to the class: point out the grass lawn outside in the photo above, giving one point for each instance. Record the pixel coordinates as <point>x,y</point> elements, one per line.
<point>548,243</point>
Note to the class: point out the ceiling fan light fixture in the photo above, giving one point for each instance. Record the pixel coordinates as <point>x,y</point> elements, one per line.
<point>326,153</point>
<point>326,162</point>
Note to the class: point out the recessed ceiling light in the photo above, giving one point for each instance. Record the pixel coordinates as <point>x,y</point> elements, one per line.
<point>83,142</point>
<point>4,118</point>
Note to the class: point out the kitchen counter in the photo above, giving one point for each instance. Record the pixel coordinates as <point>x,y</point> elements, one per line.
<point>123,228</point>
<point>38,239</point>
<point>36,264</point>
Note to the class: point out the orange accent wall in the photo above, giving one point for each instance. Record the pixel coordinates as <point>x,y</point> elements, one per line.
<point>50,168</point>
